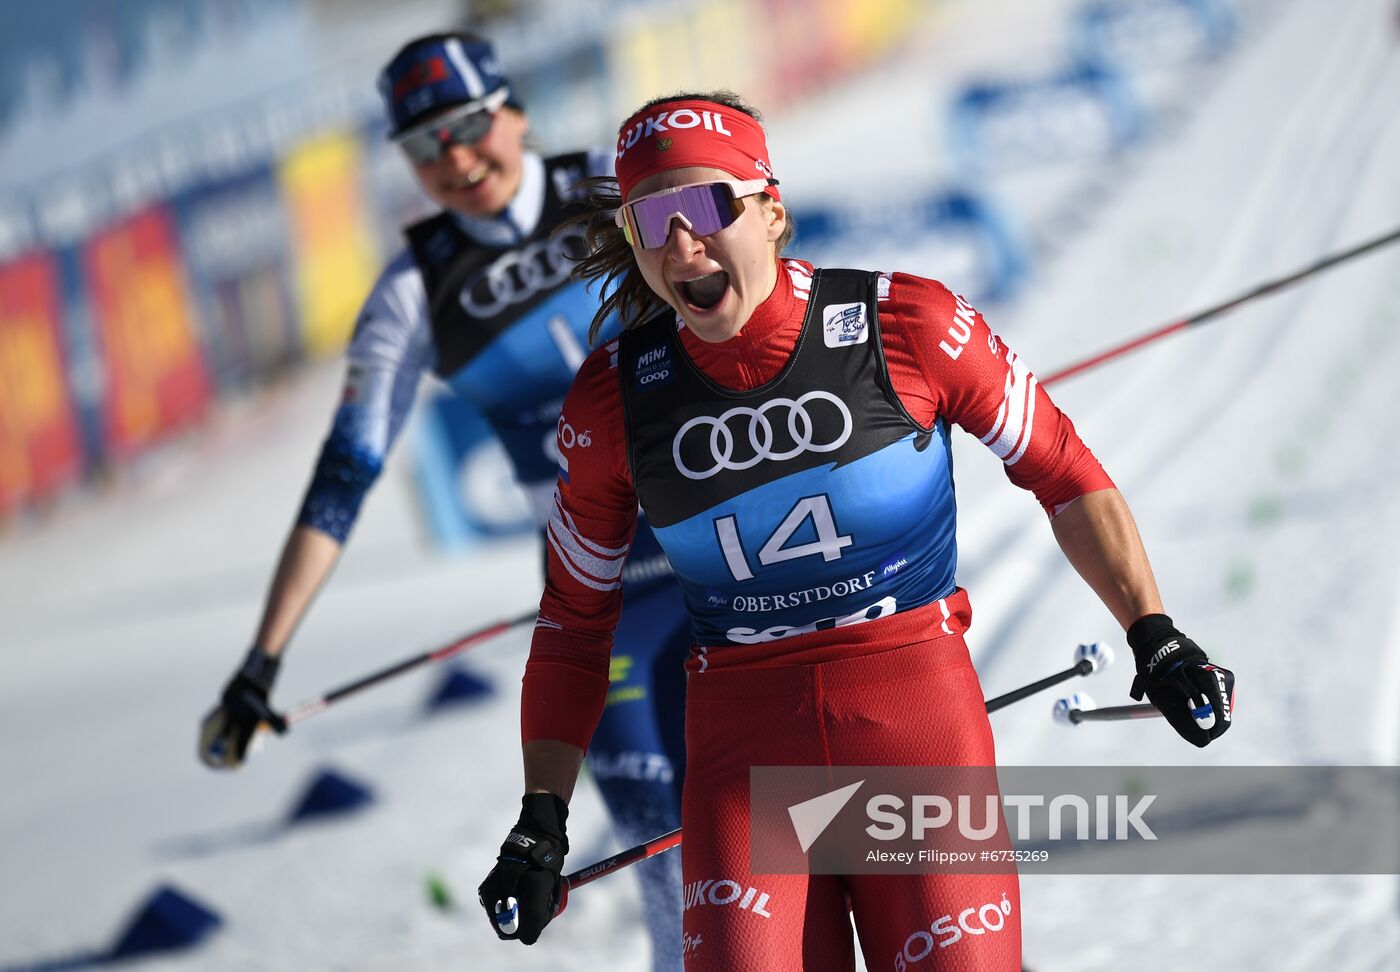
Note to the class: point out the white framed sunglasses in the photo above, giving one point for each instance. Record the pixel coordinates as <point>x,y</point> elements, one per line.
<point>703,208</point>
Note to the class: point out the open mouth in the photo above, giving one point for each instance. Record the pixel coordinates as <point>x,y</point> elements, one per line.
<point>705,293</point>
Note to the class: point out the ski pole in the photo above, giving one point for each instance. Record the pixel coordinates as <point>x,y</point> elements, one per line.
<point>585,875</point>
<point>309,708</point>
<point>1092,657</point>
<point>1202,316</point>
<point>1081,708</point>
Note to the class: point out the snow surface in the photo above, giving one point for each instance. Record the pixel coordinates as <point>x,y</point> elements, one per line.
<point>1253,451</point>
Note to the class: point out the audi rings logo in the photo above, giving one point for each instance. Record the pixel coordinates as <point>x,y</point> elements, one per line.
<point>801,430</point>
<point>516,276</point>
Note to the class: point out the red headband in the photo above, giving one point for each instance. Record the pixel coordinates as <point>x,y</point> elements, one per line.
<point>677,134</point>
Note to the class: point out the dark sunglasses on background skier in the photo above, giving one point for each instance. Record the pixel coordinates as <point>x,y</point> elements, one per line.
<point>466,125</point>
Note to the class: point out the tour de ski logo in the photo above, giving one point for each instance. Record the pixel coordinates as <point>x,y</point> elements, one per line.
<point>779,429</point>
<point>844,324</point>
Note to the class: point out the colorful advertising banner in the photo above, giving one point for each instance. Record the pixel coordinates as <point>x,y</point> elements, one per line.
<point>153,368</point>
<point>861,31</point>
<point>39,444</point>
<point>237,254</point>
<point>803,45</point>
<point>332,238</point>
<point>710,46</point>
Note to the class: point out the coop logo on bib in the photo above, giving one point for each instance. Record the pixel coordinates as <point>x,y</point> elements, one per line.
<point>654,367</point>
<point>844,324</point>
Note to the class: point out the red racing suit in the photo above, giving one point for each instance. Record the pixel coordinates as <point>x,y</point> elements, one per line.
<point>824,697</point>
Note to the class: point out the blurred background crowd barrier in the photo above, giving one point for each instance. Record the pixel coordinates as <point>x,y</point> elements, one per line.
<point>168,237</point>
<point>195,197</point>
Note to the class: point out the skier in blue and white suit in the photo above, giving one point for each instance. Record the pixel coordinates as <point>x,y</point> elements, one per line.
<point>483,297</point>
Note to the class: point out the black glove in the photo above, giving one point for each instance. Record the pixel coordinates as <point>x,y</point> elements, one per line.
<point>1179,679</point>
<point>225,733</point>
<point>522,893</point>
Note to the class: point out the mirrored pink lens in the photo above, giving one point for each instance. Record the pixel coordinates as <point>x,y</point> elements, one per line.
<point>709,208</point>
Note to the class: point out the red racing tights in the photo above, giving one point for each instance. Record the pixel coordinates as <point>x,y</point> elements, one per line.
<point>917,705</point>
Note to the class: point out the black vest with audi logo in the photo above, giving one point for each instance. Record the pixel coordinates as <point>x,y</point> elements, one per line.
<point>475,290</point>
<point>812,501</point>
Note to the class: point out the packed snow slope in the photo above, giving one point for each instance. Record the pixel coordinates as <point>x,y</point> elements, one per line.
<point>1258,453</point>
